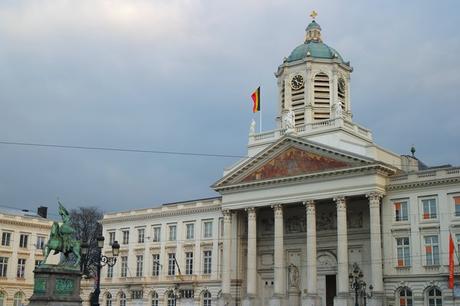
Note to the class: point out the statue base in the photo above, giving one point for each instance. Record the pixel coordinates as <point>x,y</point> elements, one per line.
<point>56,286</point>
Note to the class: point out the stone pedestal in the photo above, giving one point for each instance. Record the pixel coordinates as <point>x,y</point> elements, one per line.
<point>342,299</point>
<point>311,300</point>
<point>294,297</point>
<point>56,286</point>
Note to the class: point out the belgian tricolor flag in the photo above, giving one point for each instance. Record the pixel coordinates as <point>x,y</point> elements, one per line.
<point>256,100</point>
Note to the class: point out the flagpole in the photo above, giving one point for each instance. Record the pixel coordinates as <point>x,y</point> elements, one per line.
<point>260,121</point>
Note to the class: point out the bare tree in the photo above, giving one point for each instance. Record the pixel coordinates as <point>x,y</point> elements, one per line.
<point>85,220</point>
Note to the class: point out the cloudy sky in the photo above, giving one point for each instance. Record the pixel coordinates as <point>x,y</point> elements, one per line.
<point>176,75</point>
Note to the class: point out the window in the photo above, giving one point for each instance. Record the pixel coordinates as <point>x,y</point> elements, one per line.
<point>321,96</point>
<point>434,297</point>
<point>171,264</point>
<point>3,266</point>
<point>207,298</point>
<point>403,251</point>
<point>457,237</point>
<point>6,238</point>
<point>41,242</point>
<point>189,263</point>
<point>457,205</point>
<point>17,300</point>
<point>156,234</point>
<point>126,237</point>
<point>108,299</point>
<point>187,293</point>
<point>38,262</point>
<point>207,233</point>
<point>432,250</point>
<point>172,233</point>
<point>207,261</point>
<point>405,297</point>
<point>122,299</point>
<point>190,231</point>
<point>154,298</point>
<point>140,235</point>
<point>139,265</point>
<point>124,266</point>
<point>156,264</point>
<point>21,268</point>
<point>221,226</point>
<point>111,238</point>
<point>401,211</point>
<point>109,271</point>
<point>171,299</point>
<point>137,294</point>
<point>429,208</point>
<point>23,240</point>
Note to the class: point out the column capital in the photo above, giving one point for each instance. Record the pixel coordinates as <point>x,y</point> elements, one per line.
<point>374,197</point>
<point>251,212</point>
<point>277,207</point>
<point>309,206</point>
<point>227,215</point>
<point>340,202</point>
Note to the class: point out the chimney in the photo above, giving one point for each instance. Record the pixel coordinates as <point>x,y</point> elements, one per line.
<point>42,211</point>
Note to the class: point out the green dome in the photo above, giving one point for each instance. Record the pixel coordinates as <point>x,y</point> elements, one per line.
<point>314,49</point>
<point>313,25</point>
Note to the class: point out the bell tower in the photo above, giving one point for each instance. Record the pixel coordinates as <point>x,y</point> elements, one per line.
<point>314,81</point>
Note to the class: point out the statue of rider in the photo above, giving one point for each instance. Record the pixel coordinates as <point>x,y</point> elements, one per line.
<point>66,230</point>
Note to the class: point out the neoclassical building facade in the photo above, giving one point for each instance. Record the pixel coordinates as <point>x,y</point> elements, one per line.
<point>315,200</point>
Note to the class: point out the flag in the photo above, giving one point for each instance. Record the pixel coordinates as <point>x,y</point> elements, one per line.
<point>451,262</point>
<point>256,100</point>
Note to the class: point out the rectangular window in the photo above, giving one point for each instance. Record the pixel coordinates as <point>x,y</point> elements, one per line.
<point>172,233</point>
<point>207,232</point>
<point>403,251</point>
<point>457,237</point>
<point>155,264</point>
<point>137,294</point>
<point>140,235</point>
<point>109,271</point>
<point>6,238</point>
<point>3,266</point>
<point>429,208</point>
<point>207,262</point>
<point>124,266</point>
<point>111,238</point>
<point>171,264</point>
<point>23,238</point>
<point>21,268</point>
<point>125,236</point>
<point>190,231</point>
<point>41,241</point>
<point>139,265</point>
<point>432,250</point>
<point>221,227</point>
<point>156,234</point>
<point>457,205</point>
<point>189,263</point>
<point>401,211</point>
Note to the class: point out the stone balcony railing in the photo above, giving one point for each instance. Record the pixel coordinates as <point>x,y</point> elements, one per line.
<point>311,128</point>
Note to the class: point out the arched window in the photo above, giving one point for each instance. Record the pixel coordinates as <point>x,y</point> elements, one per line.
<point>122,299</point>
<point>2,299</point>
<point>154,298</point>
<point>207,298</point>
<point>171,299</point>
<point>322,96</point>
<point>405,297</point>
<point>108,299</point>
<point>17,300</point>
<point>434,297</point>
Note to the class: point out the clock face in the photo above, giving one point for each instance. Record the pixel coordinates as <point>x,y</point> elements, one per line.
<point>297,82</point>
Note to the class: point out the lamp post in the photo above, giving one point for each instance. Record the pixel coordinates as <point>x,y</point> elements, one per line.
<point>101,261</point>
<point>358,285</point>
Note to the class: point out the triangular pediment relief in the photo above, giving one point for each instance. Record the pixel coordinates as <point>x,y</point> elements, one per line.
<point>291,157</point>
<point>294,161</point>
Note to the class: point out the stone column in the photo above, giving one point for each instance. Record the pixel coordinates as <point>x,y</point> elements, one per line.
<point>226,260</point>
<point>342,253</point>
<point>279,277</point>
<point>311,298</point>
<point>376,248</point>
<point>251,274</point>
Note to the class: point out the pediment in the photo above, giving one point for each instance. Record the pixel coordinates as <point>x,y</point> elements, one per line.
<point>291,157</point>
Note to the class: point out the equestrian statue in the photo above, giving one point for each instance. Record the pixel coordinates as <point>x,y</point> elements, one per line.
<point>62,239</point>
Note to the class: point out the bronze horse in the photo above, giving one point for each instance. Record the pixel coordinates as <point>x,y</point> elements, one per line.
<point>59,244</point>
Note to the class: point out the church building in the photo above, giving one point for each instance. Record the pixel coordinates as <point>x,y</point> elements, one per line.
<point>317,214</point>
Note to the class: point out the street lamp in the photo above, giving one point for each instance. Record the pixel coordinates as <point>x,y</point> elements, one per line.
<point>357,283</point>
<point>101,261</point>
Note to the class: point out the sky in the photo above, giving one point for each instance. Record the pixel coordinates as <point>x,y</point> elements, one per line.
<point>176,75</point>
